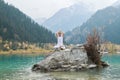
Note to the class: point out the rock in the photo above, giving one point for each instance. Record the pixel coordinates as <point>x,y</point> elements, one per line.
<point>66,66</point>
<point>84,65</point>
<point>64,60</point>
<point>74,67</point>
<point>104,64</point>
<point>91,66</point>
<point>37,67</point>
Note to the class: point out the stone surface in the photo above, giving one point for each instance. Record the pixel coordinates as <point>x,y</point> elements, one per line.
<point>74,59</point>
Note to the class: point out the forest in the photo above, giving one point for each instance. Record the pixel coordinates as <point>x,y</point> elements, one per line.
<point>16,26</point>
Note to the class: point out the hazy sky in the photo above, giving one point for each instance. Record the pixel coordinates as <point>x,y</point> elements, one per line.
<point>46,8</point>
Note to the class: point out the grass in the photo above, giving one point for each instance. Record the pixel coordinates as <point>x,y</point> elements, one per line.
<point>28,51</point>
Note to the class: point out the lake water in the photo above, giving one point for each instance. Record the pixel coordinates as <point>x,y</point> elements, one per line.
<point>18,67</point>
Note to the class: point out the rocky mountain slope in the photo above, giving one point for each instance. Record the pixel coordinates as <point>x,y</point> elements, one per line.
<point>68,18</point>
<point>106,20</point>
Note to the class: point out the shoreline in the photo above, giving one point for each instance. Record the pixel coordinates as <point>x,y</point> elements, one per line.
<point>28,52</point>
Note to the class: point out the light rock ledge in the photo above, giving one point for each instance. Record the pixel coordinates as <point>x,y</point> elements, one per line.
<point>74,59</point>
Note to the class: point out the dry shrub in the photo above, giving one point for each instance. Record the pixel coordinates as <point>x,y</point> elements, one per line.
<point>92,47</point>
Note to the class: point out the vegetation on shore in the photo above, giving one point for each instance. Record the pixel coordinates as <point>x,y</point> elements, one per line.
<point>110,47</point>
<point>9,47</point>
<point>28,51</point>
<point>20,34</point>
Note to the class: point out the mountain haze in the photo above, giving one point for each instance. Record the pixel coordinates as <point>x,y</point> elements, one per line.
<point>106,20</point>
<point>68,18</point>
<point>116,4</point>
<point>40,20</point>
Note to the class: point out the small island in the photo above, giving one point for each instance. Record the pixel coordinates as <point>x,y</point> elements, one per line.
<point>82,57</point>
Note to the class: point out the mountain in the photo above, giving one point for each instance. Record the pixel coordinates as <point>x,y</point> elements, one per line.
<point>116,4</point>
<point>16,26</point>
<point>68,18</point>
<point>106,20</point>
<point>40,20</point>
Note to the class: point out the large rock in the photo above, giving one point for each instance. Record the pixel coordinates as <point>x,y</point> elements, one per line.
<point>74,59</point>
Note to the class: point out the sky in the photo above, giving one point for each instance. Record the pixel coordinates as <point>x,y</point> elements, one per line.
<point>46,8</point>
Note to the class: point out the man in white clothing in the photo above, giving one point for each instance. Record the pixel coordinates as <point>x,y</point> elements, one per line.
<point>60,35</point>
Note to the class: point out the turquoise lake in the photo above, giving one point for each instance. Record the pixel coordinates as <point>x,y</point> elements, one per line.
<point>18,67</point>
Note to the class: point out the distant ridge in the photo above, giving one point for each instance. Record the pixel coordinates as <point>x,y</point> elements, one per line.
<point>68,18</point>
<point>116,4</point>
<point>107,19</point>
<point>40,21</point>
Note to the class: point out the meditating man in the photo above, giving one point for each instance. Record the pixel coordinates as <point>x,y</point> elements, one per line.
<point>59,36</point>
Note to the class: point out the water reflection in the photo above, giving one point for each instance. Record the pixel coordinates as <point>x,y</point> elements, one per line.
<point>83,75</point>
